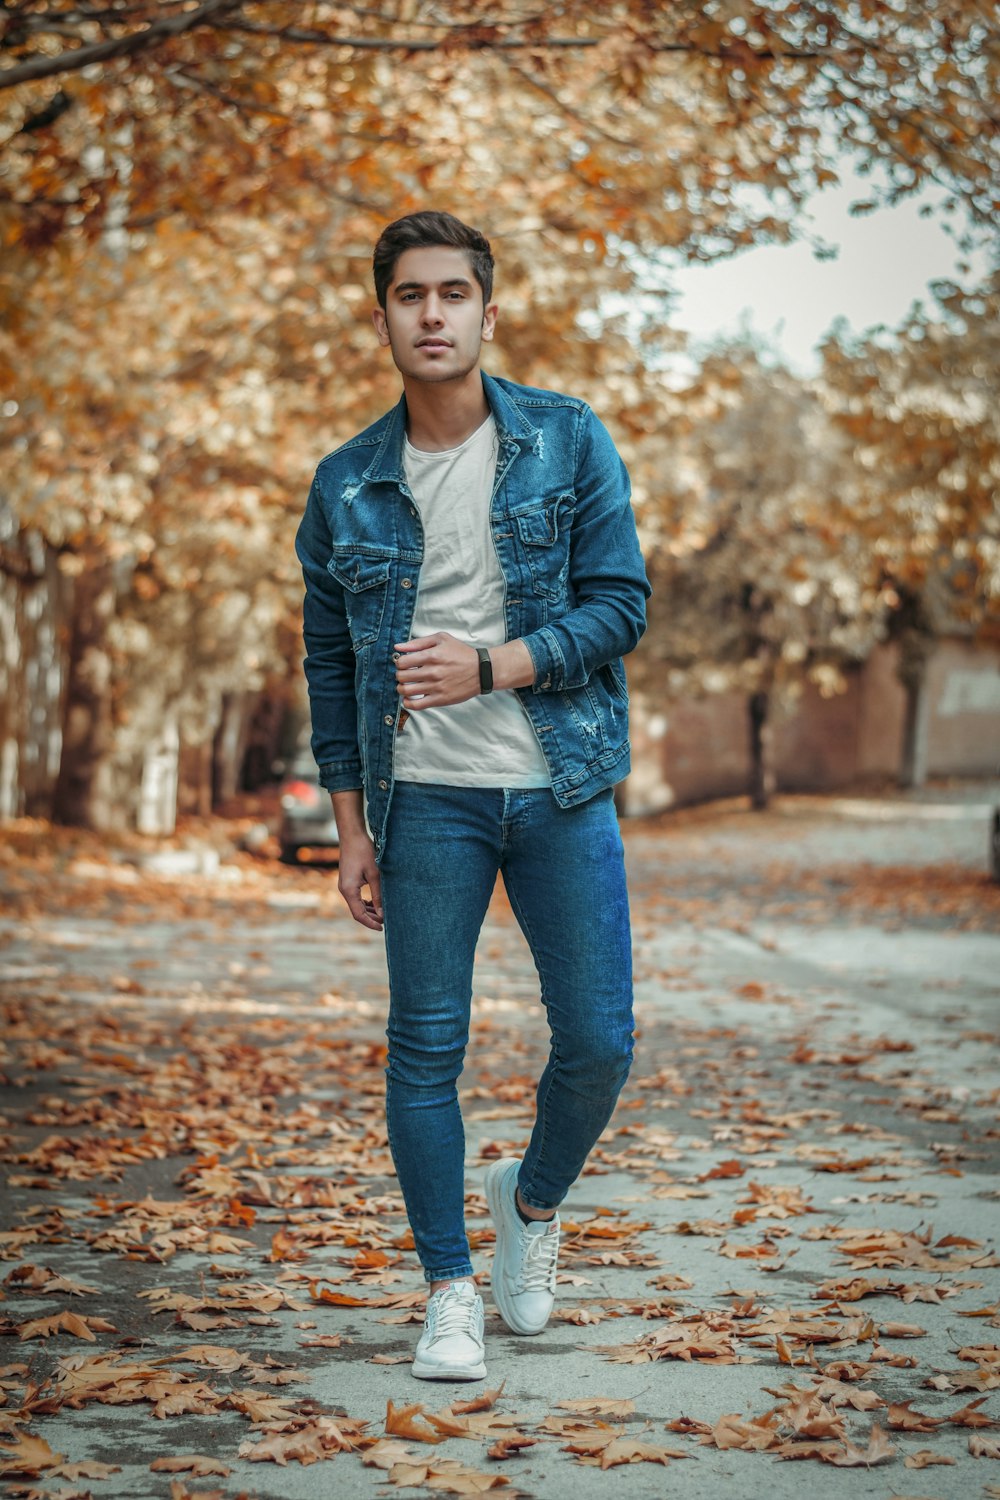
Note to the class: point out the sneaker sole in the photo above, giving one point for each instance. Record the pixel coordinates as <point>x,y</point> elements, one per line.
<point>448,1372</point>
<point>491,1184</point>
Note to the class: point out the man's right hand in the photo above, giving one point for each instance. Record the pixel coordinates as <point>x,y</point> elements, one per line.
<point>358,870</point>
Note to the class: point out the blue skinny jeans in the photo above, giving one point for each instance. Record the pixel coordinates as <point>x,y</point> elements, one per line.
<point>564,872</point>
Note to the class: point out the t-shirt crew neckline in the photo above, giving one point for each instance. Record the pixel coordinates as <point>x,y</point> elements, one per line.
<point>432,453</point>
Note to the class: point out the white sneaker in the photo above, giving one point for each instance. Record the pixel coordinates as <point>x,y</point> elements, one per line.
<point>451,1345</point>
<point>524,1264</point>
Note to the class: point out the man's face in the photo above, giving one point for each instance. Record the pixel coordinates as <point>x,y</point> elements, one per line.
<point>434,320</point>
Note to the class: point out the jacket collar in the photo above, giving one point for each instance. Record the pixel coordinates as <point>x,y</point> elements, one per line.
<point>513,429</point>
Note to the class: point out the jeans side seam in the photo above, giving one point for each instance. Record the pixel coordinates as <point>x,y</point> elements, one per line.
<point>542,1109</point>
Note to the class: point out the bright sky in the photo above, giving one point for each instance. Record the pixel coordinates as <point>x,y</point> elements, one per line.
<point>886,260</point>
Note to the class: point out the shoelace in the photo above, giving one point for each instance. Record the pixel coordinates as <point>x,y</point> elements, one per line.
<point>454,1314</point>
<point>538,1269</point>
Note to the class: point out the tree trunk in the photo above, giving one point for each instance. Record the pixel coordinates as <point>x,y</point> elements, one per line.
<point>916,646</point>
<point>205,761</point>
<point>158,791</point>
<point>913,763</point>
<point>83,787</point>
<point>227,758</point>
<point>761,774</point>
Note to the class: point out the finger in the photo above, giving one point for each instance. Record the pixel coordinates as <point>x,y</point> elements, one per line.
<point>427,700</point>
<point>375,892</point>
<point>361,910</point>
<point>419,662</point>
<point>419,643</point>
<point>364,915</point>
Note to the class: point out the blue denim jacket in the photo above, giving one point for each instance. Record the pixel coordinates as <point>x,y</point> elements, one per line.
<point>576,592</point>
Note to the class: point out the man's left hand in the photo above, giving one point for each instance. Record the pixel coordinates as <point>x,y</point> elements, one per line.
<point>435,670</point>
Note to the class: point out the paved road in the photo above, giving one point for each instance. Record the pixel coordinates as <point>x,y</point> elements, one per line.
<point>193,1068</point>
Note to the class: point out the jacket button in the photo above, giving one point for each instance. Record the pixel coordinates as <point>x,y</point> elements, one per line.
<point>383,786</point>
<point>406,583</point>
<point>388,719</point>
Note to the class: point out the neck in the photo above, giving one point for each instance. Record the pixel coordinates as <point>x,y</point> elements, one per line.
<point>443,416</point>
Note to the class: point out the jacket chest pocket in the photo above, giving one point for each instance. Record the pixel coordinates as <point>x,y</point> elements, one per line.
<point>544,534</point>
<point>365,581</point>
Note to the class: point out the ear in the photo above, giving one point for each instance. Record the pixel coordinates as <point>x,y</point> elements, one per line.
<point>489,321</point>
<point>381,326</point>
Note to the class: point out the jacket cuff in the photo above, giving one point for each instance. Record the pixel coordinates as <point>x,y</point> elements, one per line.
<point>550,665</point>
<point>341,776</point>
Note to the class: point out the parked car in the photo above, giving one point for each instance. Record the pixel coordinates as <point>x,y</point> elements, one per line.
<point>307,820</point>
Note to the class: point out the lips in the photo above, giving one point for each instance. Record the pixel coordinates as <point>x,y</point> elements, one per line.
<point>434,344</point>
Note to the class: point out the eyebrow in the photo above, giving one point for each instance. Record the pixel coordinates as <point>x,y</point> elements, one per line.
<point>419,286</point>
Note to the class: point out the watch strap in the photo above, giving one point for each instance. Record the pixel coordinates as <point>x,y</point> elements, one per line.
<point>485,670</point>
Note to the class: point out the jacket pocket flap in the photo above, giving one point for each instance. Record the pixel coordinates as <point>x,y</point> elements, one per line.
<point>539,528</point>
<point>357,572</point>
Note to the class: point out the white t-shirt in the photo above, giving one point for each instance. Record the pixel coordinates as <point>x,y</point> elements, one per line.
<point>487,740</point>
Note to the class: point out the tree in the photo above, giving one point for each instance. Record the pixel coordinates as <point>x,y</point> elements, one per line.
<point>919,406</point>
<point>758,570</point>
<point>161,444</point>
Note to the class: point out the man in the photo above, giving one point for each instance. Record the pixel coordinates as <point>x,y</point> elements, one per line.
<point>473,578</point>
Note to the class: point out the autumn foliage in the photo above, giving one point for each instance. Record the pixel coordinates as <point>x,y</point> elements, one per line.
<point>188,198</point>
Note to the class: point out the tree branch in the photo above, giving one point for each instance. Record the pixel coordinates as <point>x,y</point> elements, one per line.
<point>209,13</point>
<point>242,106</point>
<point>477,41</point>
<point>223,15</point>
<point>591,127</point>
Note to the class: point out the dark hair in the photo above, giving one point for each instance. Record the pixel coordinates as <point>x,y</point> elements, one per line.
<point>417,232</point>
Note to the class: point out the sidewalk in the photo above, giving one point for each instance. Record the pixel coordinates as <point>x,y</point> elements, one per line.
<point>782,1249</point>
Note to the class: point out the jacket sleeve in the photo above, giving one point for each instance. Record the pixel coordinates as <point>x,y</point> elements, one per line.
<point>606,571</point>
<point>329,661</point>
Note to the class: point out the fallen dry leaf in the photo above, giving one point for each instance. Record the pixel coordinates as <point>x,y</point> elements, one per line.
<point>68,1322</point>
<point>879,1451</point>
<point>193,1463</point>
<point>410,1422</point>
<point>623,1450</point>
<point>318,1439</point>
<point>447,1476</point>
<point>28,1455</point>
<point>900,1417</point>
<point>970,1415</point>
<point>485,1401</point>
<point>383,1453</point>
<point>510,1445</point>
<point>733,1431</point>
<point>41,1279</point>
<point>88,1468</point>
<point>925,1458</point>
<point>598,1406</point>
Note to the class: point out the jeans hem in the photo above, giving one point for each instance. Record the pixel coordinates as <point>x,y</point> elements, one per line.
<point>452,1274</point>
<point>530,1202</point>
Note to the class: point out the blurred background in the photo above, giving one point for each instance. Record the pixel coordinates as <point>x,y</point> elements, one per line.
<point>760,238</point>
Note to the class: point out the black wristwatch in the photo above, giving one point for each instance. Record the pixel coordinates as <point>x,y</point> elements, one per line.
<point>485,670</point>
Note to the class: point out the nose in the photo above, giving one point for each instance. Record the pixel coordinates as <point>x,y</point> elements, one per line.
<point>432,315</point>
